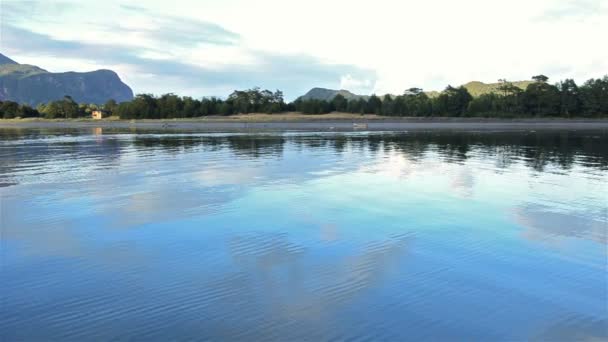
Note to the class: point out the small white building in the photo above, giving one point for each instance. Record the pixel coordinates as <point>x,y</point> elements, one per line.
<point>97,114</point>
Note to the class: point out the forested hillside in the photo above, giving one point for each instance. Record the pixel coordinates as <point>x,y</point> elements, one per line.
<point>540,98</point>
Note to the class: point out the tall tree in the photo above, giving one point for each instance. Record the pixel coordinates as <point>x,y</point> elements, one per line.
<point>374,105</point>
<point>594,96</point>
<point>453,101</point>
<point>9,109</point>
<point>339,103</point>
<point>541,98</point>
<point>570,103</point>
<point>69,107</point>
<point>110,106</point>
<point>540,78</point>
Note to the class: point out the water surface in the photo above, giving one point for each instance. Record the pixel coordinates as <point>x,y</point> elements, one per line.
<point>303,236</point>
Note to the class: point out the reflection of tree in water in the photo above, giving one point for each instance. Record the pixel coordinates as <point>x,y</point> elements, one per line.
<point>339,143</point>
<point>537,150</point>
<point>178,143</point>
<point>256,146</point>
<point>28,151</point>
<point>375,143</point>
<point>311,141</point>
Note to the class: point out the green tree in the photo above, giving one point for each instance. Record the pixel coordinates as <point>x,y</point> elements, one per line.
<point>541,98</point>
<point>485,104</point>
<point>69,108</point>
<point>110,106</point>
<point>169,106</point>
<point>191,107</point>
<point>416,103</point>
<point>540,78</point>
<point>339,103</point>
<point>53,110</point>
<point>453,101</point>
<point>9,109</point>
<point>28,112</point>
<point>388,105</point>
<point>594,96</point>
<point>374,105</point>
<point>570,102</point>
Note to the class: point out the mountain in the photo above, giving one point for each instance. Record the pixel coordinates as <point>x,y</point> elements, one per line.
<point>6,60</point>
<point>329,94</point>
<point>32,85</point>
<point>477,88</point>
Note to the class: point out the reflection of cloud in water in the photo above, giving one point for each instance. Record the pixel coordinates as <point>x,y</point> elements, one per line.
<point>575,328</point>
<point>544,225</point>
<point>50,238</point>
<point>226,176</point>
<point>463,182</point>
<point>166,204</point>
<point>398,165</point>
<point>329,232</point>
<point>297,284</point>
<point>59,237</point>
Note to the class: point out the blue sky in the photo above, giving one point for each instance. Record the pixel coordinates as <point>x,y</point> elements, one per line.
<point>203,48</point>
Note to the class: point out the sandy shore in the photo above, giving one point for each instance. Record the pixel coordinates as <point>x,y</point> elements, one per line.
<point>301,122</point>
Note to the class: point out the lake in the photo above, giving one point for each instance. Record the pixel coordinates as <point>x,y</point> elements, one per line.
<point>303,236</point>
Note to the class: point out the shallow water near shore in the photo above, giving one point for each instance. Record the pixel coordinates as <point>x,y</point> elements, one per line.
<point>303,236</point>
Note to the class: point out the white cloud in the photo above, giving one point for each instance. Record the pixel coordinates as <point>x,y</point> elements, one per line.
<point>358,86</point>
<point>405,43</point>
<point>219,56</point>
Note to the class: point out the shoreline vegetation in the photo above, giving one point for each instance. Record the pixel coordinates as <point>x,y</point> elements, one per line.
<point>539,100</point>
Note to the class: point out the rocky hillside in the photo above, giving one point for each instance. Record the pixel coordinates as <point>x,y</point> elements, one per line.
<point>32,85</point>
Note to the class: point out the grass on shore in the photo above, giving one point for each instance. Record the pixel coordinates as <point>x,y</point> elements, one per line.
<point>297,116</point>
<point>253,117</point>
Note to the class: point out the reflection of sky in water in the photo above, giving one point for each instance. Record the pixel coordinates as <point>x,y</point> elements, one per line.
<point>386,236</point>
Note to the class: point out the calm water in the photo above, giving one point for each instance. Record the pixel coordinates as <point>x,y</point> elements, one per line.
<point>384,236</point>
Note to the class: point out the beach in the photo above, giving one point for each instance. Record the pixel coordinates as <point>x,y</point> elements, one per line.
<point>302,122</point>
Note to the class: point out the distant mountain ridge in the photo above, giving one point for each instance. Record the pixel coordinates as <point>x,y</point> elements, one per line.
<point>475,88</point>
<point>29,84</point>
<point>329,94</point>
<point>6,60</point>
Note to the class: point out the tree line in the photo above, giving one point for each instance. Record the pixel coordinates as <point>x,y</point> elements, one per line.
<point>168,106</point>
<point>65,108</point>
<point>539,99</point>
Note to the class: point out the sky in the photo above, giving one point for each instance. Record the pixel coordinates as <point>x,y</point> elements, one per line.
<point>210,48</point>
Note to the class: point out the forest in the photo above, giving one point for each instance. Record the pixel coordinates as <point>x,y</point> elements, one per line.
<point>539,99</point>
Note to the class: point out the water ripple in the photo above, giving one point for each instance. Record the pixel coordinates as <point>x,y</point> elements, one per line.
<point>302,236</point>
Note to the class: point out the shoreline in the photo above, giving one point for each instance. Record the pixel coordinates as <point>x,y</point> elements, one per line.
<point>301,122</point>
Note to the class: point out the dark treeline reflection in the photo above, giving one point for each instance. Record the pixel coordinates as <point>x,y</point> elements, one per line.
<point>536,150</point>
<point>246,145</point>
<point>33,152</point>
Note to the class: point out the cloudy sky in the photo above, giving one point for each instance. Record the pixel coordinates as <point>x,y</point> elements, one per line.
<point>203,47</point>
